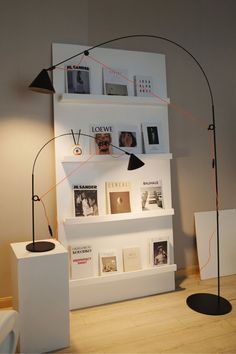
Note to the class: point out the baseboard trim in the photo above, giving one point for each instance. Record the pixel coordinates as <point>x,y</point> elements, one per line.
<point>5,302</point>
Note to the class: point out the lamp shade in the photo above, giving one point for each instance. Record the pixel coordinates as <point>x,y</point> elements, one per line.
<point>42,83</point>
<point>134,162</point>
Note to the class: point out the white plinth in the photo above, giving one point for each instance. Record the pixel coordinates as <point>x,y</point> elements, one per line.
<point>41,296</point>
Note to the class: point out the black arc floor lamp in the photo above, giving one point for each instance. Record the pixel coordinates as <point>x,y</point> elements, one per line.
<point>204,303</point>
<point>44,246</point>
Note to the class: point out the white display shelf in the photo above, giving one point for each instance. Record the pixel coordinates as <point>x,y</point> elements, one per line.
<point>123,275</point>
<point>118,217</point>
<point>109,158</point>
<point>105,99</point>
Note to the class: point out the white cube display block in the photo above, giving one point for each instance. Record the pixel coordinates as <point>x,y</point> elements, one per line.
<point>41,296</point>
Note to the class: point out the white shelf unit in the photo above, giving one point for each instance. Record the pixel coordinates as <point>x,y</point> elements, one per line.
<point>116,231</point>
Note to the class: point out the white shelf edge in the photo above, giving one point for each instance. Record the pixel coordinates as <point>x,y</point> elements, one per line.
<point>123,275</point>
<point>109,158</point>
<point>106,99</point>
<point>118,217</point>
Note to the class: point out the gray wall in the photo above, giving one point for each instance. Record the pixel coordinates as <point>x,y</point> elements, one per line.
<point>206,28</point>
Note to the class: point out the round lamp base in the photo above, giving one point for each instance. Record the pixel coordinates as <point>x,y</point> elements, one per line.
<point>40,246</point>
<point>209,304</point>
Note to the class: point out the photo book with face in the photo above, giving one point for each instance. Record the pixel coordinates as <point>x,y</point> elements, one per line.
<point>81,261</point>
<point>151,195</point>
<point>85,200</point>
<point>103,138</point>
<point>77,79</point>
<point>118,197</point>
<point>159,251</point>
<point>128,137</point>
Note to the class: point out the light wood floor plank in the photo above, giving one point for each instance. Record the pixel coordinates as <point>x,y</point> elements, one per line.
<point>159,324</point>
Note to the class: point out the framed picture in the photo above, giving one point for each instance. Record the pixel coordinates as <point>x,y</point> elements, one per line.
<point>85,200</point>
<point>153,137</point>
<point>151,195</point>
<point>128,137</point>
<point>77,79</point>
<point>159,252</point>
<point>108,262</point>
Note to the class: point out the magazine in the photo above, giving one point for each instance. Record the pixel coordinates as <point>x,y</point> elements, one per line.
<point>81,261</point>
<point>101,144</point>
<point>143,86</point>
<point>159,252</point>
<point>153,137</point>
<point>115,81</point>
<point>77,79</point>
<point>131,259</point>
<point>128,137</point>
<point>151,195</point>
<point>85,200</point>
<point>118,197</point>
<point>108,262</point>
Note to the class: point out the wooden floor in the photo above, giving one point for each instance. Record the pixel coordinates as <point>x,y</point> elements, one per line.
<point>157,324</point>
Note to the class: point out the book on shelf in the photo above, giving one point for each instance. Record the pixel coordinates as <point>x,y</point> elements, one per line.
<point>143,86</point>
<point>151,195</point>
<point>132,259</point>
<point>108,262</point>
<point>159,251</point>
<point>101,144</point>
<point>81,261</point>
<point>128,137</point>
<point>85,200</point>
<point>115,81</point>
<point>118,197</point>
<point>77,79</point>
<point>153,139</point>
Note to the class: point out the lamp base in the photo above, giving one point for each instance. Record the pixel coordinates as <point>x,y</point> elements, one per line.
<point>40,246</point>
<point>209,304</point>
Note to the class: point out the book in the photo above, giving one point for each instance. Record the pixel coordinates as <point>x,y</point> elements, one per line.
<point>85,200</point>
<point>77,79</point>
<point>151,195</point>
<point>81,261</point>
<point>115,81</point>
<point>143,86</point>
<point>159,252</point>
<point>131,259</point>
<point>153,137</point>
<point>118,197</point>
<point>101,144</point>
<point>108,262</point>
<point>128,137</point>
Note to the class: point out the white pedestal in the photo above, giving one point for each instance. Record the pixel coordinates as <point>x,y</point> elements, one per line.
<point>41,296</point>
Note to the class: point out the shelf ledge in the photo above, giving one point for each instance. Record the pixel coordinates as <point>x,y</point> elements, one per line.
<point>106,99</point>
<point>123,275</point>
<point>109,158</point>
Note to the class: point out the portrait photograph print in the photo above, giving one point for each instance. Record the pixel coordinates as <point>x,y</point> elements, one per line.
<point>159,252</point>
<point>85,200</point>
<point>77,79</point>
<point>153,137</point>
<point>108,262</point>
<point>128,138</point>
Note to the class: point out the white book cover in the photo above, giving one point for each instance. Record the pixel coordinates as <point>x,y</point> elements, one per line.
<point>159,251</point>
<point>143,86</point>
<point>101,143</point>
<point>115,81</point>
<point>132,259</point>
<point>118,197</point>
<point>108,262</point>
<point>151,195</point>
<point>81,261</point>
<point>77,79</point>
<point>153,137</point>
<point>127,137</point>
